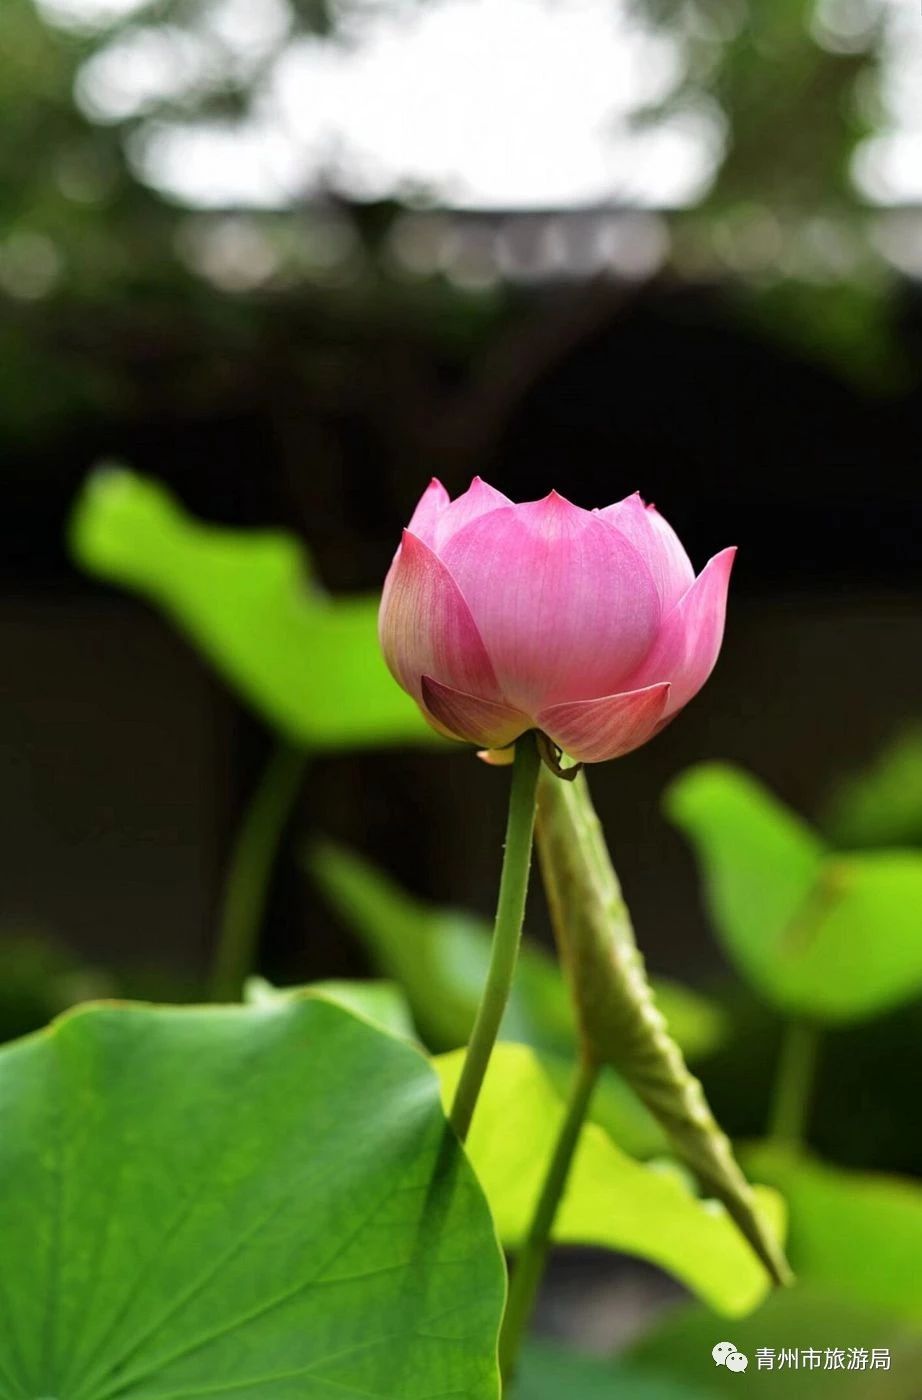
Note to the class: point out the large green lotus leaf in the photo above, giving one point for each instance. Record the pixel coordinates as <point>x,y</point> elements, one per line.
<point>649,1210</point>
<point>823,934</point>
<point>801,1318</point>
<point>882,804</point>
<point>262,1202</point>
<point>858,1233</point>
<point>309,665</point>
<point>549,1372</point>
<point>440,956</point>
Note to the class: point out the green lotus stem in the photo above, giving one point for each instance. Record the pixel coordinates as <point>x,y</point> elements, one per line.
<point>246,887</point>
<point>507,932</point>
<point>794,1082</point>
<point>619,1021</point>
<point>529,1265</point>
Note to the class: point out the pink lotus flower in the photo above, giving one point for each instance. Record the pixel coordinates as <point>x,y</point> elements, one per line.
<point>589,625</point>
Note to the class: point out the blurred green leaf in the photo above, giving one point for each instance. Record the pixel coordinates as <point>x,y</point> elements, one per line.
<point>257,1201</point>
<point>822,934</point>
<point>39,979</point>
<point>311,666</point>
<point>856,1234</point>
<point>760,860</point>
<point>382,1003</point>
<point>548,1371</point>
<point>800,1317</point>
<point>648,1210</point>
<point>428,948</point>
<point>848,322</point>
<point>440,956</point>
<point>881,805</point>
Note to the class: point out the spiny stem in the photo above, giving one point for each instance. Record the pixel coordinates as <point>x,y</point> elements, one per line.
<point>253,855</point>
<point>794,1082</point>
<point>529,1266</point>
<point>507,932</point>
<point>619,1020</point>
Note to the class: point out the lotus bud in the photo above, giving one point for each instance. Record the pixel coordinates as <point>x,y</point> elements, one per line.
<point>588,626</point>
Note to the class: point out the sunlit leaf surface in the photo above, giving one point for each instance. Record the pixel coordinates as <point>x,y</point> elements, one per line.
<point>612,1200</point>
